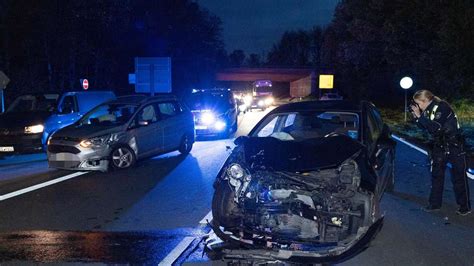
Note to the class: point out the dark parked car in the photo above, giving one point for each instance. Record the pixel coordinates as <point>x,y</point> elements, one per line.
<point>305,185</point>
<point>215,112</point>
<point>22,125</point>
<point>118,133</point>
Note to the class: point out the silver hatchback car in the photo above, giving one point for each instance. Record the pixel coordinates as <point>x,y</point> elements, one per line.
<point>118,133</point>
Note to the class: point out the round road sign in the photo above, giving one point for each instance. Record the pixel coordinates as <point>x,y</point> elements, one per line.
<point>85,84</point>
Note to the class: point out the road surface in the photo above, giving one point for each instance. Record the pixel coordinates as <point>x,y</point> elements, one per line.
<point>142,215</point>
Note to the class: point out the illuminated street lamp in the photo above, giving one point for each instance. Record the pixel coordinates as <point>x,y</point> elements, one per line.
<point>406,83</point>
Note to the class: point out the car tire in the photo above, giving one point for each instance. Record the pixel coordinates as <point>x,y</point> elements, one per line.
<point>122,157</point>
<point>223,206</point>
<point>186,145</point>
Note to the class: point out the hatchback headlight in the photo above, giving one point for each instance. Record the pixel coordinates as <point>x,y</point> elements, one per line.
<point>95,142</point>
<point>34,129</point>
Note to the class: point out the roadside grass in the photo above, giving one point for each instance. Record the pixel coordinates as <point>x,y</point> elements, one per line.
<point>464,110</point>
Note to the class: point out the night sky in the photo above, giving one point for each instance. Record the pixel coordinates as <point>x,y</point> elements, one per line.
<point>255,25</point>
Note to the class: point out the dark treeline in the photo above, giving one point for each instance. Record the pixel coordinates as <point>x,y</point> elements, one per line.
<point>371,44</point>
<point>51,44</point>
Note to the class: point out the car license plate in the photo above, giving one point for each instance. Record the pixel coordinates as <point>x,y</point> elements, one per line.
<point>6,149</point>
<point>200,127</point>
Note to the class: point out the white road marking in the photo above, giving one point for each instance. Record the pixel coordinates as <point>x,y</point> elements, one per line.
<point>471,176</point>
<point>409,144</point>
<point>206,218</point>
<point>42,185</point>
<point>177,251</point>
<point>184,244</point>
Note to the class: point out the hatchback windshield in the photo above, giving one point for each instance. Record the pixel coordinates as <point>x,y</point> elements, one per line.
<point>109,114</point>
<point>308,125</point>
<point>34,103</point>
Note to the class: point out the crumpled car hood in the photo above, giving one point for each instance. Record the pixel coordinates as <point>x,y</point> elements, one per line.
<point>299,156</point>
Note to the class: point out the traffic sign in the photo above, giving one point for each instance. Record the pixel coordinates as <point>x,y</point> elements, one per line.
<point>152,75</point>
<point>85,84</point>
<point>326,81</point>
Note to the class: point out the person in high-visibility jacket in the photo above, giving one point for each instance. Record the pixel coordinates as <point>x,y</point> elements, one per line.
<point>439,119</point>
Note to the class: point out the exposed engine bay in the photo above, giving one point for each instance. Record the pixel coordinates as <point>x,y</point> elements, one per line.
<point>313,207</point>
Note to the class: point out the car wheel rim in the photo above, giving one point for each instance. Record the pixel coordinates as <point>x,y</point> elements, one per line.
<point>122,158</point>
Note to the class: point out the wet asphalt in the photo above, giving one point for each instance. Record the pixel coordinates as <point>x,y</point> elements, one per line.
<point>138,216</point>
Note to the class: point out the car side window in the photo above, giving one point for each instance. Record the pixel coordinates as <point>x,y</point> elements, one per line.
<point>68,105</point>
<point>148,113</point>
<point>377,118</point>
<point>373,129</point>
<point>167,109</point>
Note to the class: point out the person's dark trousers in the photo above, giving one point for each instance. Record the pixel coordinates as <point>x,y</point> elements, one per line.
<point>457,158</point>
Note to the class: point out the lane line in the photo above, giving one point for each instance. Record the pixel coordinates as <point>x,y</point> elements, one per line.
<point>469,172</point>
<point>206,218</point>
<point>41,185</point>
<point>177,251</point>
<point>409,144</point>
<point>184,244</point>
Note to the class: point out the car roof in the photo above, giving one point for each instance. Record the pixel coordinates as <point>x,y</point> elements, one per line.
<point>322,105</point>
<point>139,99</point>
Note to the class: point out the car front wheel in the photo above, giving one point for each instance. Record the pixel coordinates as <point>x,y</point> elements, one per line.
<point>122,158</point>
<point>186,145</point>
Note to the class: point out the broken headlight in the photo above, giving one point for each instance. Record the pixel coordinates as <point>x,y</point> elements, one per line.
<point>238,178</point>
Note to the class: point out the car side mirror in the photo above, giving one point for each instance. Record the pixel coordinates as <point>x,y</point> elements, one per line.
<point>240,140</point>
<point>143,123</point>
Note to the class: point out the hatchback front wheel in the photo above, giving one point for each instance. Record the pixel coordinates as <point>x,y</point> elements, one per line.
<point>123,157</point>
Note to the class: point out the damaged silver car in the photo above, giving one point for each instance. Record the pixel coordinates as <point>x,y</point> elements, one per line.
<point>118,133</point>
<point>305,185</point>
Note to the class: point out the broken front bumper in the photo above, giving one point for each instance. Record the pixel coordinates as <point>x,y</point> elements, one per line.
<point>337,254</point>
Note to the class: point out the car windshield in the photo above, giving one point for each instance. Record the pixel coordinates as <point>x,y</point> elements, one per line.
<point>308,125</point>
<point>199,101</point>
<point>34,103</point>
<point>109,115</point>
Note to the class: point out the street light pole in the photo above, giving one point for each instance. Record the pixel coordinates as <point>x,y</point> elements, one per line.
<point>405,106</point>
<point>406,83</point>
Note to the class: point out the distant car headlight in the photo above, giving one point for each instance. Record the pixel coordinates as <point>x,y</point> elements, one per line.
<point>95,142</point>
<point>261,103</point>
<point>248,100</point>
<point>220,125</point>
<point>208,118</point>
<point>269,101</point>
<point>34,129</point>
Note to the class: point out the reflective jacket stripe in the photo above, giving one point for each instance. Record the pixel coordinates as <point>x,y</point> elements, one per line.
<point>432,114</point>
